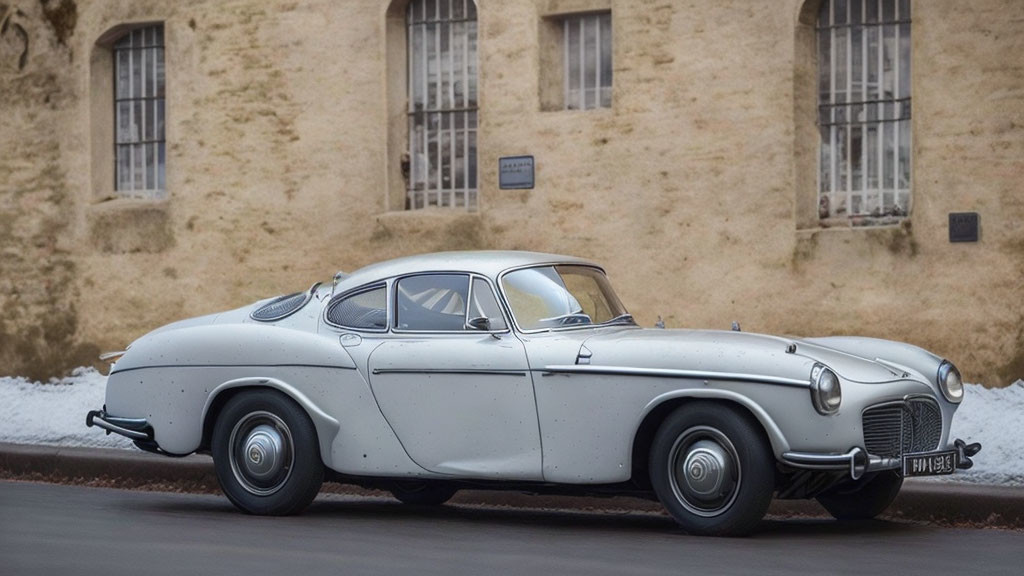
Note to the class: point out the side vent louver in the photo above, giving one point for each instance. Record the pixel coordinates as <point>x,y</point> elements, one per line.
<point>281,307</point>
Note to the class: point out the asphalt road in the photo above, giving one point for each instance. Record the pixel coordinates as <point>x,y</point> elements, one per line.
<point>54,529</point>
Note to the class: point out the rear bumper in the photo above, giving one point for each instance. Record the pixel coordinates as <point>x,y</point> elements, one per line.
<point>859,462</point>
<point>135,428</point>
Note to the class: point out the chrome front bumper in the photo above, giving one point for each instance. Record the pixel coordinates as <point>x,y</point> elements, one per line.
<point>859,462</point>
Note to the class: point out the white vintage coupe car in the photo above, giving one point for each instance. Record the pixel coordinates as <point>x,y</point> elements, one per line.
<point>517,370</point>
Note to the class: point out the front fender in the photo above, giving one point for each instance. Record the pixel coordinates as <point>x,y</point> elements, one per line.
<point>775,436</point>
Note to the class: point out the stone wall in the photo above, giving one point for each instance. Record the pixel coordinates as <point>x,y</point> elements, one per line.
<point>40,309</point>
<point>688,189</point>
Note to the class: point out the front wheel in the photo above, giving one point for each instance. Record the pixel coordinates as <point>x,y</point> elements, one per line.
<point>712,468</point>
<point>862,500</point>
<point>266,454</point>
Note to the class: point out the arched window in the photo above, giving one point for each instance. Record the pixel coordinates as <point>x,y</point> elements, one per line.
<point>442,111</point>
<point>140,147</point>
<point>864,110</point>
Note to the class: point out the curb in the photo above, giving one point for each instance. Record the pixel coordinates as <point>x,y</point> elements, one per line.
<point>920,501</point>
<point>107,466</point>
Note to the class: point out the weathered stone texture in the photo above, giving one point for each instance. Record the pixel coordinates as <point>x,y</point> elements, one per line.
<point>39,300</point>
<point>687,189</point>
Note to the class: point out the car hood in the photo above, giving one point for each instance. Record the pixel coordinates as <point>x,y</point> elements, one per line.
<point>730,352</point>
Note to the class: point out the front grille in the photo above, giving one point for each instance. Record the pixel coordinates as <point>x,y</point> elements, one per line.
<point>883,430</point>
<point>896,428</point>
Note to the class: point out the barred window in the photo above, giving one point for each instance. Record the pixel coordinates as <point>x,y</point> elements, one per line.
<point>140,141</point>
<point>442,50</point>
<point>864,110</point>
<point>588,61</point>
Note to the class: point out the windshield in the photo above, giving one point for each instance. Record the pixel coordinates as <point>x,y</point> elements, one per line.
<point>557,296</point>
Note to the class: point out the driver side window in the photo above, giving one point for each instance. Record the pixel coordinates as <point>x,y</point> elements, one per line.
<point>432,303</point>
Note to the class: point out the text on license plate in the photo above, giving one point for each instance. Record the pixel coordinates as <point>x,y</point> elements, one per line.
<point>930,464</point>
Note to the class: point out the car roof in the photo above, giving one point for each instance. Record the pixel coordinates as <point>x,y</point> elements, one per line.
<point>489,263</point>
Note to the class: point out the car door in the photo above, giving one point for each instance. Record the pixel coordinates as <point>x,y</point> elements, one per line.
<point>459,398</point>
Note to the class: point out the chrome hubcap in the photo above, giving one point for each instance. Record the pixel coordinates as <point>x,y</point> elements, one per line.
<point>704,471</point>
<point>263,448</point>
<point>262,453</point>
<point>705,468</point>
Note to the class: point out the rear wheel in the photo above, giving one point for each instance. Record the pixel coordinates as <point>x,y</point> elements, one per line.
<point>712,469</point>
<point>422,493</point>
<point>266,454</point>
<point>862,500</point>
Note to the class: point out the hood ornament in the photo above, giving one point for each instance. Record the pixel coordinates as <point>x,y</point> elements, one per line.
<point>735,326</point>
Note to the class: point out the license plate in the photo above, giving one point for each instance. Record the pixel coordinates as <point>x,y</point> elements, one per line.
<point>929,463</point>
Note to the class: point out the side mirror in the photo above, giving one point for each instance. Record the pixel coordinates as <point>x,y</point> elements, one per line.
<point>482,323</point>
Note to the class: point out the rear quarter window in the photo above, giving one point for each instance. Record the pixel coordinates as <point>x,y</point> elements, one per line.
<point>366,310</point>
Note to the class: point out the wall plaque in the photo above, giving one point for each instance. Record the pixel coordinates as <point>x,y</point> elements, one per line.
<point>515,172</point>
<point>963,226</point>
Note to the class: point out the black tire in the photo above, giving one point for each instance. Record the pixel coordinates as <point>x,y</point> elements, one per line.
<point>713,469</point>
<point>422,493</point>
<point>864,499</point>
<point>266,454</point>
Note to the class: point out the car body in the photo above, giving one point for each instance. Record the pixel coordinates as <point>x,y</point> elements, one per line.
<point>505,369</point>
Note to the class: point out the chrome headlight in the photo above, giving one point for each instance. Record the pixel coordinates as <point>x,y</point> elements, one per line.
<point>950,383</point>
<point>826,394</point>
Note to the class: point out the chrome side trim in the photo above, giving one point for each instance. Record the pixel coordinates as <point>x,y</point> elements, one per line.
<point>521,373</point>
<point>116,371</point>
<point>670,373</point>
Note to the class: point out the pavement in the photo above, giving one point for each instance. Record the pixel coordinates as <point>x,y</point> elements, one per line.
<point>56,529</point>
<point>923,501</point>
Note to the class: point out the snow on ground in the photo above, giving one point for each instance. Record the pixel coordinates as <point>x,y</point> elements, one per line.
<point>996,419</point>
<point>53,413</point>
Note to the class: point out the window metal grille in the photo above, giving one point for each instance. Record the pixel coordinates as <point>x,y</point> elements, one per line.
<point>140,148</point>
<point>442,47</point>
<point>588,61</point>
<point>864,110</point>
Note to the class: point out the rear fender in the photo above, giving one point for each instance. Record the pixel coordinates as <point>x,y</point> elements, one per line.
<point>326,426</point>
